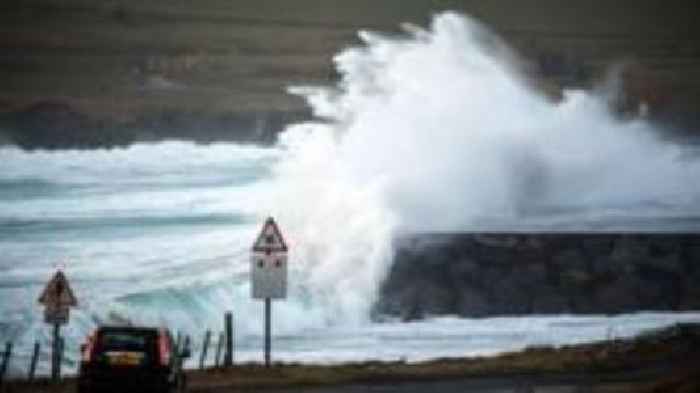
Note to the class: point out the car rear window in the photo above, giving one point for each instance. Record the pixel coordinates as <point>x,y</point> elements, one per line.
<point>120,341</point>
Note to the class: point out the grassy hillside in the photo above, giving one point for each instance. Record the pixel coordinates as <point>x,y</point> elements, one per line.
<point>158,64</point>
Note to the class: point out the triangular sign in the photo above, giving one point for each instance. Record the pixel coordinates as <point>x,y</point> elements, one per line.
<point>270,238</point>
<point>58,292</point>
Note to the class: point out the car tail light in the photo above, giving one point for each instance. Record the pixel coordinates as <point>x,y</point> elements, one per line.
<point>164,352</point>
<point>88,348</point>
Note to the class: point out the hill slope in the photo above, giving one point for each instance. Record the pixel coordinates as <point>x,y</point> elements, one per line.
<point>92,73</point>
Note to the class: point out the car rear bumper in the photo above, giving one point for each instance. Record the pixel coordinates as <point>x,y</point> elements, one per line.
<point>121,387</point>
<point>105,382</point>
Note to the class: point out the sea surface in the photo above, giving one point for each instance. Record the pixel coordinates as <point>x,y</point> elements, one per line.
<point>160,234</point>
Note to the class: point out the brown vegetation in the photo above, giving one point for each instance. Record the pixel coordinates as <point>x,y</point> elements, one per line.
<point>668,356</point>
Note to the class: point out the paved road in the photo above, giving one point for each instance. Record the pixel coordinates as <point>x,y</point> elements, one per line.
<point>626,382</point>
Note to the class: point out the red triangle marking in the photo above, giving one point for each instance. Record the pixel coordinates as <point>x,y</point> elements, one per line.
<point>270,228</point>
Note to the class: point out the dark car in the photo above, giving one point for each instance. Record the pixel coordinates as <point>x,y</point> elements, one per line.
<point>130,359</point>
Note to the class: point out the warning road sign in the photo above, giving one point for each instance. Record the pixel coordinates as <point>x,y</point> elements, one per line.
<point>268,267</point>
<point>57,297</point>
<point>270,238</point>
<point>269,263</point>
<point>56,315</point>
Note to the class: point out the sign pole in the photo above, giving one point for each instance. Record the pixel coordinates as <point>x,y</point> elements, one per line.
<point>57,299</point>
<point>55,352</point>
<point>268,265</point>
<point>268,325</point>
<point>61,352</point>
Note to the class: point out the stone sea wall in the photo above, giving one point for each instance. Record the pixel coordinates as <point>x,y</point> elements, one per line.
<point>479,275</point>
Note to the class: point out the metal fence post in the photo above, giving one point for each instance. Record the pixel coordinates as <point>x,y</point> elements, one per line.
<point>205,348</point>
<point>219,347</point>
<point>181,348</point>
<point>228,325</point>
<point>178,342</point>
<point>5,361</point>
<point>35,358</point>
<point>186,347</point>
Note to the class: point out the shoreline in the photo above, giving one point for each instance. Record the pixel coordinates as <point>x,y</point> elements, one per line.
<point>664,357</point>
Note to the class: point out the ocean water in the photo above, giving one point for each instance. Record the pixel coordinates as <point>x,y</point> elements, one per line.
<point>152,233</point>
<point>436,130</point>
<point>160,234</point>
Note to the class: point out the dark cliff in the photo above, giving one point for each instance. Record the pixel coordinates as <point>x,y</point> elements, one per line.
<point>478,275</point>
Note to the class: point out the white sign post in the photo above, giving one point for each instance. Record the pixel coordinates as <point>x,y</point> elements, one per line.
<point>57,299</point>
<point>269,273</point>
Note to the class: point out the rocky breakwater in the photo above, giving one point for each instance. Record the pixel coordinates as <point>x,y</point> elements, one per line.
<point>479,275</point>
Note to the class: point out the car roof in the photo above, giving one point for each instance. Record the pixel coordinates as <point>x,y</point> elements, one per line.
<point>129,329</point>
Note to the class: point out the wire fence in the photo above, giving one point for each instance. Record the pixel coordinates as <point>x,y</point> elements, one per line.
<point>216,351</point>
